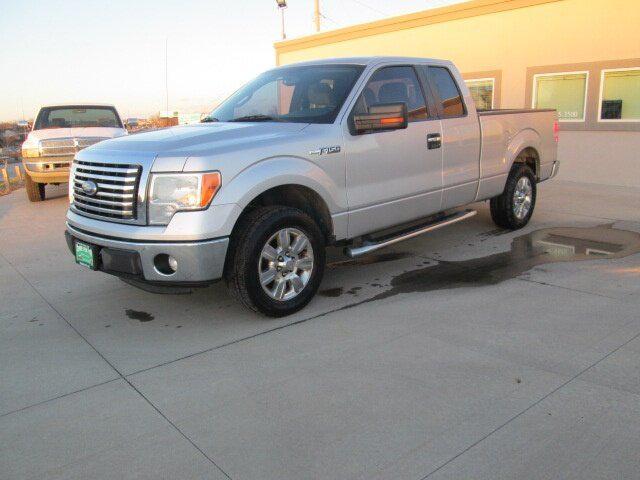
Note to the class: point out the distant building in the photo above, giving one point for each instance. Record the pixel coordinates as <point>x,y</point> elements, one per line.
<point>180,118</point>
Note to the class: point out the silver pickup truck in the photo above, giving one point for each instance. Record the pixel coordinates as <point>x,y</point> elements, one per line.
<point>359,153</point>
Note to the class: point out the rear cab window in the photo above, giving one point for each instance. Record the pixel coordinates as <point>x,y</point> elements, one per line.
<point>394,85</point>
<point>446,91</point>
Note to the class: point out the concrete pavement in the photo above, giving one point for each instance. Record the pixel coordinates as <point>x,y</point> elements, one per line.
<point>519,370</point>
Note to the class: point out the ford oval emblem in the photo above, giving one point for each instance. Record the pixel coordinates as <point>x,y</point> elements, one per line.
<point>89,187</point>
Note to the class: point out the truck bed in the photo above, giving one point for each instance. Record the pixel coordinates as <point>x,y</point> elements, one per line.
<point>518,129</point>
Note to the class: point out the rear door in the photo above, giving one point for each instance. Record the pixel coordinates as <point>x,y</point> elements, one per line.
<point>393,176</point>
<point>460,138</point>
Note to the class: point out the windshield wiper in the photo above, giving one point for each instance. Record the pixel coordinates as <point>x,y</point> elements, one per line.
<point>254,118</point>
<point>209,120</point>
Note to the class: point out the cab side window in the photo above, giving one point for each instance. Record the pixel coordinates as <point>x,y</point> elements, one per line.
<point>450,98</point>
<point>394,85</point>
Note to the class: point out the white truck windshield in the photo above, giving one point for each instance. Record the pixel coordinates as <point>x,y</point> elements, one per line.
<point>77,116</point>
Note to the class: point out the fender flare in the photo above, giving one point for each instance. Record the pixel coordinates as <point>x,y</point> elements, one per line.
<point>527,138</point>
<point>277,172</point>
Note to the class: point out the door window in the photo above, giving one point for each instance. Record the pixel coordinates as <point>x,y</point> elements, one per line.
<point>447,90</point>
<point>394,85</point>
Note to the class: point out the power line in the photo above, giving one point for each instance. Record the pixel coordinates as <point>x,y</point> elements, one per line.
<point>329,18</point>
<point>359,2</point>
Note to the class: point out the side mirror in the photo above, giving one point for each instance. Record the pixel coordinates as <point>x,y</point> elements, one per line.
<point>382,116</point>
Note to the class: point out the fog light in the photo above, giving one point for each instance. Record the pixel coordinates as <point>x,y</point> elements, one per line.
<point>165,264</point>
<point>173,263</point>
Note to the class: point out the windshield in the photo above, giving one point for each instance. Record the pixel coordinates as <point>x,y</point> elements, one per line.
<point>311,94</point>
<point>77,116</point>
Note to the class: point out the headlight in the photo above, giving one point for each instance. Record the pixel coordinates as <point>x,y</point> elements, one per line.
<point>30,152</point>
<point>174,192</point>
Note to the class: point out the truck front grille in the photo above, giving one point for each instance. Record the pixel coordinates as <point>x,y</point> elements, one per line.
<point>116,189</point>
<point>57,147</point>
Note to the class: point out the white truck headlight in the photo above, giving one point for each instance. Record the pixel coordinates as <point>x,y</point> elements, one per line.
<point>174,192</point>
<point>30,152</point>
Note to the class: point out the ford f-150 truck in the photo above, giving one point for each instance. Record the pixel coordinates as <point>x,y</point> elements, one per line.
<point>359,153</point>
<point>58,133</point>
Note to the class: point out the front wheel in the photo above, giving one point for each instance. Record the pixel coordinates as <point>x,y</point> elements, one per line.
<point>514,207</point>
<point>276,261</point>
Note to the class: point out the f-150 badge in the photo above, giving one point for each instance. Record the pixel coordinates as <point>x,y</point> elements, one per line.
<point>325,150</point>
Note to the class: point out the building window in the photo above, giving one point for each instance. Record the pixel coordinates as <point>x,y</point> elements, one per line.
<point>565,92</point>
<point>482,91</point>
<point>620,95</point>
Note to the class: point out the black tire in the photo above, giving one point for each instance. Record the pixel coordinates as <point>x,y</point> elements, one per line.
<point>245,248</point>
<point>502,206</point>
<point>35,190</point>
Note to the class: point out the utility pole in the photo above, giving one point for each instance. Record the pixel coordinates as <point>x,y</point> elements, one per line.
<point>282,4</point>
<point>316,14</point>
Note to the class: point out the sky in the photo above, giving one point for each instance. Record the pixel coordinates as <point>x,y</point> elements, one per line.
<point>114,51</point>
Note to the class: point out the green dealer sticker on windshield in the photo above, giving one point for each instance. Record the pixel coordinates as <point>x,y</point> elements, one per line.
<point>84,255</point>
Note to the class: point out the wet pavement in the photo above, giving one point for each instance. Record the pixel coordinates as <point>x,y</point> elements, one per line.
<point>471,352</point>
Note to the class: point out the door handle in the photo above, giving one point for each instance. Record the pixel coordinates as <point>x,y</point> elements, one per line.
<point>434,140</point>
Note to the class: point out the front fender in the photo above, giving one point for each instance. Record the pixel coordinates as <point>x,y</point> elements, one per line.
<point>275,172</point>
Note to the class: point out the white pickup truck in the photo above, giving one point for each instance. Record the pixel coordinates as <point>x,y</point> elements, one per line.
<point>59,132</point>
<point>358,152</point>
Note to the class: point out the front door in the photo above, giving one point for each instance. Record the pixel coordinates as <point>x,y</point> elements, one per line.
<point>393,176</point>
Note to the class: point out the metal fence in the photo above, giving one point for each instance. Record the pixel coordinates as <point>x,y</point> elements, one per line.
<point>12,175</point>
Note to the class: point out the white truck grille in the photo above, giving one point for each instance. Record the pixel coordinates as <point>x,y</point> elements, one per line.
<point>106,190</point>
<point>56,147</point>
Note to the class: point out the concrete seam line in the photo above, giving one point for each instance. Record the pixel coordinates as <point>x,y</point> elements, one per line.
<point>537,402</point>
<point>59,397</point>
<point>194,444</point>
<point>243,339</point>
<point>553,285</point>
<point>115,369</point>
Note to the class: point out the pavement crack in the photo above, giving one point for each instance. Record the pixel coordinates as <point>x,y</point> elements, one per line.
<point>118,372</point>
<point>553,285</point>
<point>534,404</point>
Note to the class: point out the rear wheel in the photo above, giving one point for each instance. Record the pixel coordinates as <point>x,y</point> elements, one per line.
<point>514,207</point>
<point>276,261</point>
<point>35,190</point>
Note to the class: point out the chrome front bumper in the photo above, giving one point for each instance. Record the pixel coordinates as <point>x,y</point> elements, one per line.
<point>198,261</point>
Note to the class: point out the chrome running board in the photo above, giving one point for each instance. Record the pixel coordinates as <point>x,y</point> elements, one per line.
<point>370,246</point>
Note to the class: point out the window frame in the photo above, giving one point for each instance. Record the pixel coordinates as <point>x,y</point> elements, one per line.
<point>493,88</point>
<point>600,96</point>
<point>428,98</point>
<point>534,92</point>
<point>436,94</point>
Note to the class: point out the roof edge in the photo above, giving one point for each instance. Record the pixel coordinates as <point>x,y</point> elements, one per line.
<point>458,11</point>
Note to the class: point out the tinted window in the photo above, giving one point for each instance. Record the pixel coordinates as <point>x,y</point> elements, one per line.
<point>312,94</point>
<point>394,85</point>
<point>447,90</point>
<point>77,116</point>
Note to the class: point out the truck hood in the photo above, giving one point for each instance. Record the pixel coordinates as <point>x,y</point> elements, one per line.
<point>79,132</point>
<point>200,139</point>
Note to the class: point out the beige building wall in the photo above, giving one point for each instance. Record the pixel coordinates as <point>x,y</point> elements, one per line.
<point>513,39</point>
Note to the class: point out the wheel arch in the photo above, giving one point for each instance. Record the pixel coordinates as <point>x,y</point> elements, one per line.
<point>297,196</point>
<point>525,148</point>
